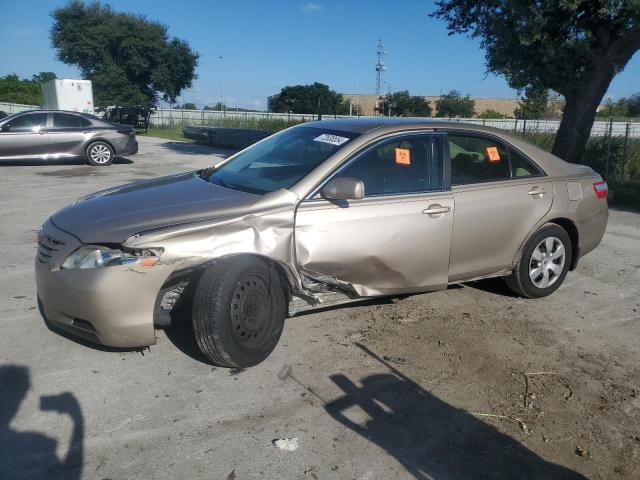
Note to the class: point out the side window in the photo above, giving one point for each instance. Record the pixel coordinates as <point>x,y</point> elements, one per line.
<point>475,160</point>
<point>521,167</point>
<point>30,122</point>
<point>66,120</point>
<point>409,164</point>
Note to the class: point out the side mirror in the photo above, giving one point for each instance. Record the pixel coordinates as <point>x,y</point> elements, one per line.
<point>343,188</point>
<point>5,128</point>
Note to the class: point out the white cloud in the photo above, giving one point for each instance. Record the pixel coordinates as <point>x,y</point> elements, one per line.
<point>311,7</point>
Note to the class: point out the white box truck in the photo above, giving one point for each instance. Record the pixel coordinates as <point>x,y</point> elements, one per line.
<point>68,94</point>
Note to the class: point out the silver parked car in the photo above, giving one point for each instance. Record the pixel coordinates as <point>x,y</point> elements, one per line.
<point>57,134</point>
<point>319,214</point>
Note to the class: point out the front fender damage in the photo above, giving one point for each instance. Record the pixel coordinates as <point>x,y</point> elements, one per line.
<point>267,232</point>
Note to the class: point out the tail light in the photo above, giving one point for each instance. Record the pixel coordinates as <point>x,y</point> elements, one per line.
<point>601,189</point>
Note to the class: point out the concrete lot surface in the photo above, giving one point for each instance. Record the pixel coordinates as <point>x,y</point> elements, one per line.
<point>471,382</point>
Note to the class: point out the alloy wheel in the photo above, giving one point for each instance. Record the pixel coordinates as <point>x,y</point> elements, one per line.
<point>100,154</point>
<point>547,262</point>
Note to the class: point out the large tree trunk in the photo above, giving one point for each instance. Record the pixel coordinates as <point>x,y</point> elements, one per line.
<point>578,116</point>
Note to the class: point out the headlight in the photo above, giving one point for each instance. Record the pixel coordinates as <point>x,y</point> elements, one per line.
<point>92,256</point>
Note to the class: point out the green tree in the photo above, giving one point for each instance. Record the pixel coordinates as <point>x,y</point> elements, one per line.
<point>314,98</point>
<point>43,77</point>
<point>401,104</point>
<point>533,105</point>
<point>633,105</point>
<point>572,47</point>
<point>131,60</point>
<point>14,90</point>
<point>614,109</point>
<point>488,114</point>
<point>189,106</point>
<point>454,104</point>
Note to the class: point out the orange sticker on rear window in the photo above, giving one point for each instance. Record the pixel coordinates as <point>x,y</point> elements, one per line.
<point>492,153</point>
<point>403,156</point>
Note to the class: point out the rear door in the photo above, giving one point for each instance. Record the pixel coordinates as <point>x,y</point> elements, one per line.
<point>394,240</point>
<point>68,133</point>
<point>500,195</point>
<point>24,136</point>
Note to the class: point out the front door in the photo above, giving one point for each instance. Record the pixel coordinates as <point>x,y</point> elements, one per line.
<point>394,240</point>
<point>24,136</point>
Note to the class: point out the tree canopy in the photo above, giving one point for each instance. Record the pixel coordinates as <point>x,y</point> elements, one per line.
<point>314,98</point>
<point>454,104</point>
<point>27,92</point>
<point>533,105</point>
<point>572,47</point>
<point>129,59</point>
<point>401,104</point>
<point>625,107</point>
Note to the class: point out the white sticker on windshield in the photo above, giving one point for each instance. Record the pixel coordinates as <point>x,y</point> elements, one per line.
<point>332,139</point>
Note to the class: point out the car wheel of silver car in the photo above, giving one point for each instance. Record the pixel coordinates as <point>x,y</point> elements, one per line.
<point>543,264</point>
<point>238,311</point>
<point>99,154</point>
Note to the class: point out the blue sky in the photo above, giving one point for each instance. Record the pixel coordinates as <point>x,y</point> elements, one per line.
<point>250,48</point>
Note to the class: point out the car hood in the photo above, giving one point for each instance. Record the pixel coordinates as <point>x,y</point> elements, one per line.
<point>113,215</point>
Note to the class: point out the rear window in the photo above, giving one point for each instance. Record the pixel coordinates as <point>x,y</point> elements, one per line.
<point>281,160</point>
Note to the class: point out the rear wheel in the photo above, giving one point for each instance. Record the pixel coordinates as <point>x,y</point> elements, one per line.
<point>100,154</point>
<point>543,264</point>
<point>238,311</point>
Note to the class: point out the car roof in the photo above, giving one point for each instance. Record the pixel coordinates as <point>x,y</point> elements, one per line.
<point>375,126</point>
<point>50,110</point>
<point>367,124</point>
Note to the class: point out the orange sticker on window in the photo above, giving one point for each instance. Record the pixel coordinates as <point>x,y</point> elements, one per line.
<point>403,156</point>
<point>492,153</point>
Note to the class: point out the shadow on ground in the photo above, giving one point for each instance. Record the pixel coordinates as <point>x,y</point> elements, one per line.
<point>32,455</point>
<point>497,286</point>
<point>429,437</point>
<point>197,149</point>
<point>35,162</point>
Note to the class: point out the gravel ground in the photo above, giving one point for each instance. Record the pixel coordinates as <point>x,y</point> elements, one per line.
<point>466,383</point>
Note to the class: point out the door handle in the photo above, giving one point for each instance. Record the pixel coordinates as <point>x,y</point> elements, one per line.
<point>436,210</point>
<point>537,191</point>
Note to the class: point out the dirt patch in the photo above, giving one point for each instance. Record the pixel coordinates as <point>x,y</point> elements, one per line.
<point>572,406</point>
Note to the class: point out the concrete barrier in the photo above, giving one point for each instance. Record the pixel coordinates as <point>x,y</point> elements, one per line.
<point>237,138</point>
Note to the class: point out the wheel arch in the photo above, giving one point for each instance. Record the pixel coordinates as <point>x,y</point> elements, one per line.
<point>98,139</point>
<point>188,279</point>
<point>572,230</point>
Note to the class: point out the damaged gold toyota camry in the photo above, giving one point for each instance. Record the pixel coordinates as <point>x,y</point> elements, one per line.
<point>320,214</point>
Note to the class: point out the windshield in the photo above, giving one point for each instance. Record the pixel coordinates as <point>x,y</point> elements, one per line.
<point>280,161</point>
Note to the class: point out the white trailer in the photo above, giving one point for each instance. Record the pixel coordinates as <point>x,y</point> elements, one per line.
<point>68,94</point>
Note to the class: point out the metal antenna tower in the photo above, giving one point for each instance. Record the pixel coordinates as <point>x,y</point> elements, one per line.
<point>380,66</point>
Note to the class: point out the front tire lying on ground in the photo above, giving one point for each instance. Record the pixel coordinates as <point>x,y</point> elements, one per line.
<point>239,309</point>
<point>543,264</point>
<point>100,154</point>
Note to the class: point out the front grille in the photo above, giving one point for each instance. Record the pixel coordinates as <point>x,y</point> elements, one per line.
<point>47,246</point>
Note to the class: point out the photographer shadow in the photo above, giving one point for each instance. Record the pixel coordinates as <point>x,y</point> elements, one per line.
<point>32,455</point>
<point>429,437</point>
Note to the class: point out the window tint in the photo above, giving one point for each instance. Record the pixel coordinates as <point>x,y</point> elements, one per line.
<point>28,122</point>
<point>520,166</point>
<point>404,165</point>
<point>477,160</point>
<point>66,120</point>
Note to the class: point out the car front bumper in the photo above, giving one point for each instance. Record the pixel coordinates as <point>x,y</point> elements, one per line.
<point>111,306</point>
